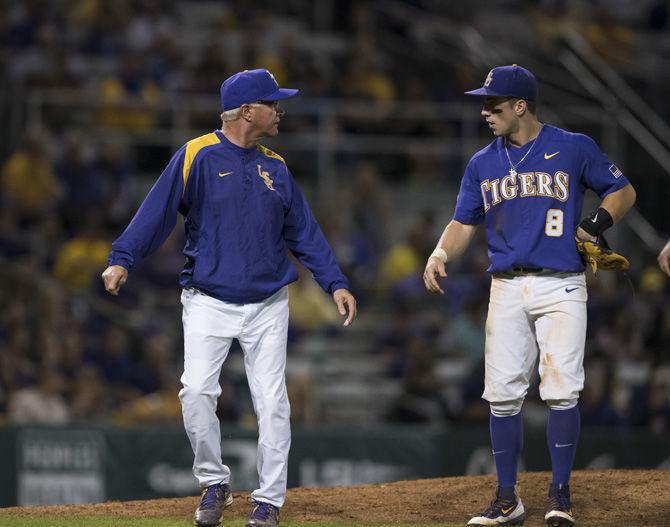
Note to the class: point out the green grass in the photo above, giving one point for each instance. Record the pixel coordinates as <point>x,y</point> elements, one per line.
<point>45,521</point>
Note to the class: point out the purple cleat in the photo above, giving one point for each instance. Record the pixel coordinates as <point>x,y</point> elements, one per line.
<point>215,499</point>
<point>501,511</point>
<point>263,515</point>
<point>559,509</point>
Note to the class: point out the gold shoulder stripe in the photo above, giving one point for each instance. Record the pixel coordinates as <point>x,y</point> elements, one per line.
<point>193,147</point>
<point>266,151</point>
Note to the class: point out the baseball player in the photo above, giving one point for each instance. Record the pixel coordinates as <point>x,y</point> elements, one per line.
<point>528,187</point>
<point>242,211</point>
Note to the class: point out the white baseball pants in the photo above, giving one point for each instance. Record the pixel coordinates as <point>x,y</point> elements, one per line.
<point>529,312</point>
<point>210,326</point>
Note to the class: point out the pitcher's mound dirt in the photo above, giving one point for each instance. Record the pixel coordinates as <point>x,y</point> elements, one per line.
<point>631,498</point>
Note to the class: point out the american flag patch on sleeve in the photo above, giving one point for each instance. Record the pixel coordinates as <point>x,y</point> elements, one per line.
<point>615,171</point>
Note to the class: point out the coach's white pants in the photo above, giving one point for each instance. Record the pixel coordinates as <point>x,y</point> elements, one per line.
<point>210,326</point>
<point>530,312</point>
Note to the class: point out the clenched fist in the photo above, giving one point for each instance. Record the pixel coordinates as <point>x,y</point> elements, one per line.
<point>114,277</point>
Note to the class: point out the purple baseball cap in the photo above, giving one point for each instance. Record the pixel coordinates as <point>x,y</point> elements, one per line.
<point>251,86</point>
<point>508,81</point>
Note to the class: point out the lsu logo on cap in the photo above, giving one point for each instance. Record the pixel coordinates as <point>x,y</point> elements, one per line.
<point>489,79</point>
<point>615,171</point>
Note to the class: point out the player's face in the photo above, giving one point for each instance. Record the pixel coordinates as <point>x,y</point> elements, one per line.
<point>499,114</point>
<point>266,116</point>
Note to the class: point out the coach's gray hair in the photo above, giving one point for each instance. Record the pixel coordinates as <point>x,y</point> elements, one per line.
<point>231,115</point>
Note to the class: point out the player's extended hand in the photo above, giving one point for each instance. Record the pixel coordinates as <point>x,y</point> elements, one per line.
<point>664,259</point>
<point>434,269</point>
<point>346,304</point>
<point>114,277</point>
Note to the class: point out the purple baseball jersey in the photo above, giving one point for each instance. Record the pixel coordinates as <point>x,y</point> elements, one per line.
<point>532,206</point>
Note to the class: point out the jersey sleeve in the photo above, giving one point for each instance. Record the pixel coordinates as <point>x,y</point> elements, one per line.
<point>598,172</point>
<point>304,238</point>
<point>469,204</point>
<point>154,220</point>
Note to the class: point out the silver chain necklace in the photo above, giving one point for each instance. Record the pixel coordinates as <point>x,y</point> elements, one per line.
<point>512,166</point>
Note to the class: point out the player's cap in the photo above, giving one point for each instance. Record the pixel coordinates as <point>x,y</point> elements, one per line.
<point>508,81</point>
<point>251,86</point>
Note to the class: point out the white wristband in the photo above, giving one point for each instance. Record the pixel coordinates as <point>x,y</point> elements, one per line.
<point>440,254</point>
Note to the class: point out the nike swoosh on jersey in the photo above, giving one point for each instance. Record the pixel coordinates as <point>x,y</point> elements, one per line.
<point>549,156</point>
<point>221,174</point>
<point>570,290</point>
<point>557,445</point>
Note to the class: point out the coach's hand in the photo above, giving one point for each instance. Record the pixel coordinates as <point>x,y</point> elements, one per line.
<point>434,269</point>
<point>346,304</point>
<point>114,277</point>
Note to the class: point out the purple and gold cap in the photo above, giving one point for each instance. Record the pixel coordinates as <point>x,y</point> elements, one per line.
<point>251,86</point>
<point>508,81</point>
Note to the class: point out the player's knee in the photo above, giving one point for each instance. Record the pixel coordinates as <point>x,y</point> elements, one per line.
<point>561,404</point>
<point>185,394</point>
<point>273,406</point>
<point>506,408</point>
<point>195,391</point>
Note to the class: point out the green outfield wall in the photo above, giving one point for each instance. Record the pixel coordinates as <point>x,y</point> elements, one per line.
<point>43,465</point>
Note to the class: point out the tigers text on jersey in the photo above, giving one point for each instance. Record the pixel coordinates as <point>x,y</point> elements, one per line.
<point>531,209</point>
<point>242,211</point>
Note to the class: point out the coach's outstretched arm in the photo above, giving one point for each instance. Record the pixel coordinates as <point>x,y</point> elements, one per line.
<point>454,240</point>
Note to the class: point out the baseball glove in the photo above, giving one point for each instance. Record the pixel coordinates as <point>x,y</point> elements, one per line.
<point>599,256</point>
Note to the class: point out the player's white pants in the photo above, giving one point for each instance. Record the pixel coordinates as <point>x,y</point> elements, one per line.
<point>210,325</point>
<point>531,311</point>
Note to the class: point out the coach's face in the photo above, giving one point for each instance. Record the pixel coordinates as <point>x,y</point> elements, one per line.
<point>265,117</point>
<point>501,114</point>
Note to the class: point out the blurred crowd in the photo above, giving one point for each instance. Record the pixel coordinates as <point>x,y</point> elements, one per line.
<point>69,352</point>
